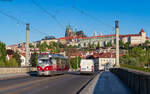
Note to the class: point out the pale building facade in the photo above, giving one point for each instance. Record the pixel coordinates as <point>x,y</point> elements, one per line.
<point>105,59</point>
<point>48,41</point>
<point>133,39</point>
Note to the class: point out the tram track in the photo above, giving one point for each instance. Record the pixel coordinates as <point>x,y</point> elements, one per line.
<point>31,82</point>
<point>70,83</point>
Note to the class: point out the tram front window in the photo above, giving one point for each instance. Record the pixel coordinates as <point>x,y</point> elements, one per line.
<point>44,61</point>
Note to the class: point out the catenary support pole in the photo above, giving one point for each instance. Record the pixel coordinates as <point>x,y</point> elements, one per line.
<point>117,43</point>
<point>27,45</point>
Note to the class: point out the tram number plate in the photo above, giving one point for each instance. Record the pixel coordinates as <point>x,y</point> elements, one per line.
<point>83,68</point>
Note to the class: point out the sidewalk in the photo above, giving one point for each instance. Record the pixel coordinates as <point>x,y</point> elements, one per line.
<point>15,75</point>
<point>108,83</point>
<point>7,76</point>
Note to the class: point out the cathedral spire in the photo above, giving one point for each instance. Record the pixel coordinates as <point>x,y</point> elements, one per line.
<point>75,28</point>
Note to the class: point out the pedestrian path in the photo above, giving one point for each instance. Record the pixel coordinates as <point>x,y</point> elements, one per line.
<point>14,75</point>
<point>108,83</point>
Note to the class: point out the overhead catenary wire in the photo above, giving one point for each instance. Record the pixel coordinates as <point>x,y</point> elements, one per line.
<point>49,14</point>
<point>21,22</point>
<point>93,17</point>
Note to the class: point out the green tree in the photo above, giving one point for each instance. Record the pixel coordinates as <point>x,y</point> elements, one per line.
<point>17,57</point>
<point>93,45</point>
<point>108,44</point>
<point>136,56</point>
<point>89,45</point>
<point>43,47</point>
<point>33,59</point>
<point>127,45</point>
<point>38,45</point>
<point>147,42</point>
<point>2,63</point>
<point>61,45</point>
<point>13,63</point>
<point>3,52</point>
<point>84,44</point>
<point>98,45</point>
<point>121,44</point>
<point>74,62</point>
<point>79,45</point>
<point>31,46</point>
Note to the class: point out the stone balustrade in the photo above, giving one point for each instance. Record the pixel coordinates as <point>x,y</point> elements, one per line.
<point>17,70</point>
<point>137,81</point>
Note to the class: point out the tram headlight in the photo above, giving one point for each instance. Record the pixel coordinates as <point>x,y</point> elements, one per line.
<point>38,68</point>
<point>47,68</point>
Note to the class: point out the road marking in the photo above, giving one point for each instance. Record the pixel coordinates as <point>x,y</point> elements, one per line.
<point>26,84</point>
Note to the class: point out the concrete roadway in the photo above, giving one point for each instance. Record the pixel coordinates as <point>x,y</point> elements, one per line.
<point>61,84</point>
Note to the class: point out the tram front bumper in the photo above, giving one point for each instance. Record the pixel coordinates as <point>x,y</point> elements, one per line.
<point>44,73</point>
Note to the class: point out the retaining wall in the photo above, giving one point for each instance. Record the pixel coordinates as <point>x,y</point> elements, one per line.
<point>137,81</point>
<point>16,70</point>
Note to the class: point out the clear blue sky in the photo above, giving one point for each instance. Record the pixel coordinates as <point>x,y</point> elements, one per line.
<point>132,15</point>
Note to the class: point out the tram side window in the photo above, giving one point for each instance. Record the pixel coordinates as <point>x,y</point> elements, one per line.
<point>63,63</point>
<point>59,61</point>
<point>50,61</point>
<point>54,61</point>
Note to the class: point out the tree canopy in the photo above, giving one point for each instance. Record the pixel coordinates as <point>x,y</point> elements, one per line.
<point>3,52</point>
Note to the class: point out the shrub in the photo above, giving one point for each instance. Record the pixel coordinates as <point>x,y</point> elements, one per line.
<point>2,63</point>
<point>13,63</point>
<point>135,67</point>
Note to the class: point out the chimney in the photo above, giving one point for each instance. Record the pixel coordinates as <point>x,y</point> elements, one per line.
<point>101,34</point>
<point>95,33</point>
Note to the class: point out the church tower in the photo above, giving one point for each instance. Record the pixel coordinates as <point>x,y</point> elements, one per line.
<point>143,35</point>
<point>68,31</point>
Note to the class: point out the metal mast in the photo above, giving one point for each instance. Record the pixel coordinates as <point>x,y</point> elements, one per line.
<point>117,43</point>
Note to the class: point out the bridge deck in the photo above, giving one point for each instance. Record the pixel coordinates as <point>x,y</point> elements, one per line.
<point>108,83</point>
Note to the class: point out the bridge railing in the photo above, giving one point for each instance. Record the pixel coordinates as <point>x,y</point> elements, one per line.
<point>8,70</point>
<point>137,81</point>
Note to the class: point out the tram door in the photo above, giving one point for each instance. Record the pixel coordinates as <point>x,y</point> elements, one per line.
<point>54,63</point>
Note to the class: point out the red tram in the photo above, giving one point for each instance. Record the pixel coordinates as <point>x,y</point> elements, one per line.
<point>51,64</point>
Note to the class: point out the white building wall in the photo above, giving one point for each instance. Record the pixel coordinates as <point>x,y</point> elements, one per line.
<point>23,60</point>
<point>124,39</point>
<point>135,40</point>
<point>103,61</point>
<point>48,41</point>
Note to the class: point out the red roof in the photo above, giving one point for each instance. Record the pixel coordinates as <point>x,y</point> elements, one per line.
<point>142,30</point>
<point>71,37</point>
<point>113,35</point>
<point>104,55</point>
<point>23,54</point>
<point>129,35</point>
<point>15,45</point>
<point>107,55</point>
<point>147,38</point>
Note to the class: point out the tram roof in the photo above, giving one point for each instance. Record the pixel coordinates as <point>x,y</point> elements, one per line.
<point>54,55</point>
<point>57,56</point>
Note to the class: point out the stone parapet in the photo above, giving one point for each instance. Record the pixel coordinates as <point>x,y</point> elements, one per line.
<point>137,81</point>
<point>16,70</point>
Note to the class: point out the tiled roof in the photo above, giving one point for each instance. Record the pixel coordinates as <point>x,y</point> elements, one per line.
<point>103,55</point>
<point>104,36</point>
<point>15,45</point>
<point>71,37</point>
<point>147,37</point>
<point>23,54</point>
<point>142,30</point>
<point>107,55</point>
<point>129,35</point>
